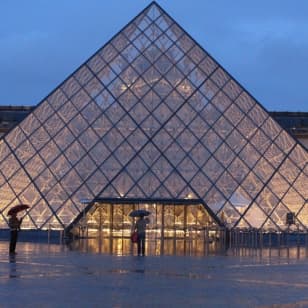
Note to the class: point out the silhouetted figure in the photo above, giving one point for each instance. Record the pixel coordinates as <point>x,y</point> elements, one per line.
<point>140,227</point>
<point>14,224</point>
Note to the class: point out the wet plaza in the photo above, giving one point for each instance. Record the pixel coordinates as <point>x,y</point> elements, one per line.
<point>79,275</point>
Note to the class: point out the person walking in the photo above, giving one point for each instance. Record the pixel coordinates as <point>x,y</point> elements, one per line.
<point>140,227</point>
<point>14,224</point>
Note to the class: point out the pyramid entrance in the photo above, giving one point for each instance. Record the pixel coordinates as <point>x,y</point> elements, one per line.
<point>175,226</point>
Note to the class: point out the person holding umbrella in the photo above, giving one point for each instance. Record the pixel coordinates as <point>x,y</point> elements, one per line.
<point>14,224</point>
<point>140,227</point>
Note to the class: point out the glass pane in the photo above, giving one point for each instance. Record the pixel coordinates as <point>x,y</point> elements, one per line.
<point>236,141</point>
<point>211,141</point>
<point>257,115</point>
<point>210,114</point>
<point>74,152</point>
<point>175,184</point>
<point>226,184</point>
<point>271,128</point>
<point>245,102</point>
<point>301,185</point>
<point>39,138</point>
<point>224,155</point>
<point>233,114</point>
<point>187,168</point>
<point>123,183</point>
<point>83,75</point>
<point>113,139</point>
<point>96,63</point>
<point>19,181</point>
<point>201,184</point>
<point>278,185</point>
<point>25,151</point>
<point>124,153</point>
<point>174,53</point>
<point>85,167</point>
<point>120,42</point>
<point>91,112</point>
<point>249,155</point>
<point>131,31</point>
<point>299,156</point>
<point>142,42</point>
<point>196,77</point>
<point>196,54</point>
<point>284,141</point>
<point>78,125</point>
<point>185,43</point>
<point>15,137</point>
<point>67,112</point>
<point>213,169</point>
<point>229,215</point>
<point>71,182</point>
<point>45,181</point>
<point>64,138</point>
<point>49,152</point>
<point>106,75</point>
<point>60,167</point>
<point>29,124</point>
<point>293,201</point>
<point>35,166</point>
<point>246,127</point>
<point>152,53</point>
<point>220,77</point>
<point>108,53</point>
<point>70,87</point>
<point>289,171</point>
<point>174,153</point>
<point>260,141</point>
<point>238,170</point>
<point>274,155</point>
<point>214,199</point>
<point>199,154</point>
<point>252,184</point>
<point>149,183</point>
<point>263,169</point>
<point>223,127</point>
<point>110,167</point>
<point>208,89</point>
<point>232,89</point>
<point>150,126</point>
<point>56,100</point>
<point>267,200</point>
<point>198,126</point>
<point>255,216</point>
<point>163,42</point>
<point>88,139</point>
<point>96,183</point>
<point>53,125</point>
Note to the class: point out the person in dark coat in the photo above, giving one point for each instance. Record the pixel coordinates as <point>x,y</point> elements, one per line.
<point>140,227</point>
<point>14,224</point>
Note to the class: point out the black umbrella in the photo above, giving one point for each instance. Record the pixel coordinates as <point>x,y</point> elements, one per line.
<point>17,208</point>
<point>139,213</point>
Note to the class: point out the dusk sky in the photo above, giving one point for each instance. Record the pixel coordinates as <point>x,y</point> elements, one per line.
<point>263,44</point>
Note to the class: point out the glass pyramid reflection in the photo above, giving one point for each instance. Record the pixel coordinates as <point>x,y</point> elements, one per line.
<point>153,115</point>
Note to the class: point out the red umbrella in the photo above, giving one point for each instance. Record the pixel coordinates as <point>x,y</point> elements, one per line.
<point>17,208</point>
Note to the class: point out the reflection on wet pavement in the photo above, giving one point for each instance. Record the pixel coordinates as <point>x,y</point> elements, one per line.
<point>59,276</point>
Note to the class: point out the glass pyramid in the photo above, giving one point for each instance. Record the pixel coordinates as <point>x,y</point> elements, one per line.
<point>153,115</point>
